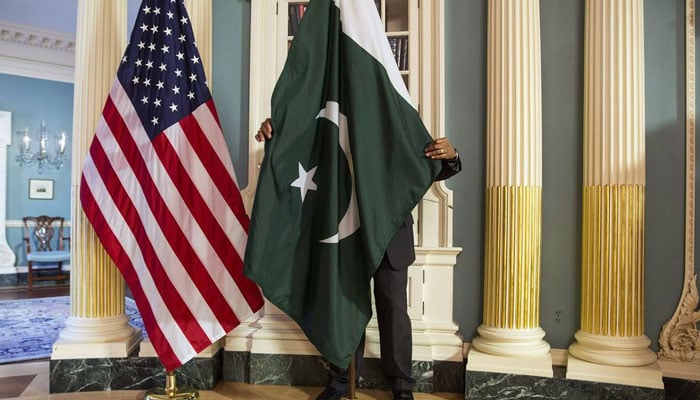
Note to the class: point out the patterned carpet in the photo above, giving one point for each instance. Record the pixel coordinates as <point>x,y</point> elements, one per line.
<point>28,328</point>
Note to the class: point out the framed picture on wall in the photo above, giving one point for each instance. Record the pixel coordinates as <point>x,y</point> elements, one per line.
<point>41,189</point>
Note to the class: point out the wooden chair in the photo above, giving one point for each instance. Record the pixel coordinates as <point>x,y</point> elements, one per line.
<point>45,252</point>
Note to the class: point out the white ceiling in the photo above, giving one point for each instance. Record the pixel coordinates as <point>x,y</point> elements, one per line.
<point>53,15</point>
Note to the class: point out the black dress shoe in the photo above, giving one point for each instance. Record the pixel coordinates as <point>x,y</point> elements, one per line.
<point>403,395</point>
<point>330,393</point>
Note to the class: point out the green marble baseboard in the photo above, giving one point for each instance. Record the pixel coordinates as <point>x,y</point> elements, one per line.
<point>490,385</point>
<point>12,280</point>
<point>679,389</point>
<point>134,373</point>
<point>20,279</point>
<point>299,370</point>
<point>131,373</point>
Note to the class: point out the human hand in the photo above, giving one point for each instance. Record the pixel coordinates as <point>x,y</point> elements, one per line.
<point>441,149</point>
<point>265,131</point>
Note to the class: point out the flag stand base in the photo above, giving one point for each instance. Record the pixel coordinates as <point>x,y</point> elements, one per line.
<point>171,391</point>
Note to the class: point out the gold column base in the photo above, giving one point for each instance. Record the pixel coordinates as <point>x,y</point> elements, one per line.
<point>171,391</point>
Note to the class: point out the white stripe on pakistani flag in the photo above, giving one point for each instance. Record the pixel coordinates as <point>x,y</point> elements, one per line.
<point>362,23</point>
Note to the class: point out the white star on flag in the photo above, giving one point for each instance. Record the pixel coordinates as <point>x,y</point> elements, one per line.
<point>305,181</point>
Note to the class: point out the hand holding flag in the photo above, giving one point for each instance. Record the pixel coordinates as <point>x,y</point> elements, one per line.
<point>345,167</point>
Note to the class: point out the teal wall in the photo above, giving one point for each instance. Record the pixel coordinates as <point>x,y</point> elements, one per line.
<point>562,91</point>
<point>465,117</point>
<point>664,36</point>
<point>230,72</point>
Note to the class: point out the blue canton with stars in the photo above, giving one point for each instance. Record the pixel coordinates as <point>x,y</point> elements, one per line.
<point>161,70</point>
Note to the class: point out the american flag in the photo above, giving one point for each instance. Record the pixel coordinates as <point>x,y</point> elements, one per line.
<point>158,187</point>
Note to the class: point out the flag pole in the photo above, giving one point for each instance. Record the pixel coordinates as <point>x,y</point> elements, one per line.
<point>171,391</point>
<point>351,379</point>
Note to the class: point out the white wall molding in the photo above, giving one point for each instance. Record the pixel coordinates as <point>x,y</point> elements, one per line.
<point>7,257</point>
<point>680,338</point>
<point>17,223</point>
<point>36,53</point>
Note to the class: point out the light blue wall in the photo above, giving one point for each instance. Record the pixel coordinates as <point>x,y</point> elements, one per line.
<point>31,101</point>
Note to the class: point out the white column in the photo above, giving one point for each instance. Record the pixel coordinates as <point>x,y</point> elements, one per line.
<point>510,338</point>
<point>97,326</point>
<point>200,12</point>
<point>7,256</point>
<point>611,345</point>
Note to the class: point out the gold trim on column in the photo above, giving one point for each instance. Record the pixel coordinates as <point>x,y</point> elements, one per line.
<point>612,298</point>
<point>512,259</point>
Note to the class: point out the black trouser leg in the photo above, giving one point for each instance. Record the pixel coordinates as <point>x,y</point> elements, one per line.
<point>394,326</point>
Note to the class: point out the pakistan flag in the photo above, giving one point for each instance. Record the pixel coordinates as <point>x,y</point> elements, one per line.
<point>344,167</point>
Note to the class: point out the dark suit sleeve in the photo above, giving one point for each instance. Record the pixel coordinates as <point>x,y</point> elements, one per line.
<point>400,252</point>
<point>449,168</point>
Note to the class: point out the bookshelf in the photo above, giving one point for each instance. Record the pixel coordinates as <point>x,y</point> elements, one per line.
<point>396,18</point>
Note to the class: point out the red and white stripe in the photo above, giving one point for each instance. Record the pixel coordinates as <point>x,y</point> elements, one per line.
<point>169,213</point>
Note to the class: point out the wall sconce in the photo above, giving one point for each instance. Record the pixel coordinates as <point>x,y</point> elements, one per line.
<point>48,153</point>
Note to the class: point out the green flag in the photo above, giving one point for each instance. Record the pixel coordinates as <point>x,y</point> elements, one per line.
<point>344,168</point>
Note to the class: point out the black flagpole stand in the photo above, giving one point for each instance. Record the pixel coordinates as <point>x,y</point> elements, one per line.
<point>171,391</point>
<point>351,379</point>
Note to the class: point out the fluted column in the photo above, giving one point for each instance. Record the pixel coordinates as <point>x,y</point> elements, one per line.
<point>612,249</point>
<point>514,186</point>
<point>200,12</point>
<point>97,326</point>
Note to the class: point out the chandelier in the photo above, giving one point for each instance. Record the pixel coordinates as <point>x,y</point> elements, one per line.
<point>50,152</point>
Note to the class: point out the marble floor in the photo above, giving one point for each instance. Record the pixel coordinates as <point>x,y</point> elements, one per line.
<point>30,380</point>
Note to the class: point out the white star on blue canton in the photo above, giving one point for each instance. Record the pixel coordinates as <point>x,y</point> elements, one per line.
<point>162,42</point>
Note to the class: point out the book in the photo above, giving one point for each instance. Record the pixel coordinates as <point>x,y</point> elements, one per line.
<point>395,48</point>
<point>403,66</point>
